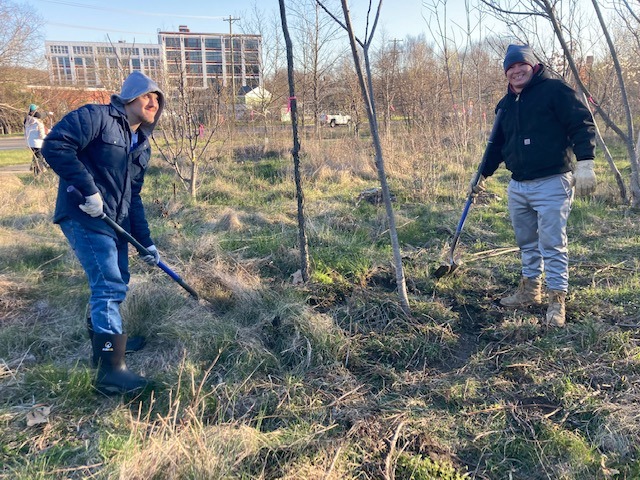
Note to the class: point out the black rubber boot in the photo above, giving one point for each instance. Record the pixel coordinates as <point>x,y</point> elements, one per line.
<point>134,343</point>
<point>113,376</point>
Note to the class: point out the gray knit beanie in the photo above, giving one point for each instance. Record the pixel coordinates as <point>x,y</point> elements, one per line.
<point>519,54</point>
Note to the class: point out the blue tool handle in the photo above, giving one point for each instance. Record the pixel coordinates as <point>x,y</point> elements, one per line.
<point>164,267</point>
<point>79,198</point>
<point>467,205</point>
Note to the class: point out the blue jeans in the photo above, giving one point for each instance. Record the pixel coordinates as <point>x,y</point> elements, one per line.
<point>105,261</point>
<point>539,210</point>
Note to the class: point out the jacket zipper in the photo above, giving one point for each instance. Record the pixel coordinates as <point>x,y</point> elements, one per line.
<point>519,132</point>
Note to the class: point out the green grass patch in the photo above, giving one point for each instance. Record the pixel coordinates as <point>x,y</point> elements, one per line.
<point>9,158</point>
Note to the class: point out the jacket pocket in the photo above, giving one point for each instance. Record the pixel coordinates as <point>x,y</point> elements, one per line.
<point>113,140</point>
<point>111,151</point>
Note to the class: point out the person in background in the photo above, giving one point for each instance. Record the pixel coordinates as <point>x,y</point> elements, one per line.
<point>103,152</point>
<point>32,109</point>
<point>545,124</point>
<point>34,133</point>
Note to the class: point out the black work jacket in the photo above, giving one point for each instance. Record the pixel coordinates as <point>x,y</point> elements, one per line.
<point>540,129</point>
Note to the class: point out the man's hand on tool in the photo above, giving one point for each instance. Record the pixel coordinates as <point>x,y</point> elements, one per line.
<point>92,205</point>
<point>478,188</point>
<point>154,258</point>
<point>585,178</point>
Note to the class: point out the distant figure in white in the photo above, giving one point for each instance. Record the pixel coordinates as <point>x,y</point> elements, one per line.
<point>34,134</point>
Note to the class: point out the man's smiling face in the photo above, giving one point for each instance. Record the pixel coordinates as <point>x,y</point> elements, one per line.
<point>518,75</point>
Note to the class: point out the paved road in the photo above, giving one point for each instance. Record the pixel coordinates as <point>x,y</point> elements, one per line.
<point>12,143</point>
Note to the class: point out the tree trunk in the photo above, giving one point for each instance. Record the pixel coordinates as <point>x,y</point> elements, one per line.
<point>194,177</point>
<point>366,88</point>
<point>302,234</point>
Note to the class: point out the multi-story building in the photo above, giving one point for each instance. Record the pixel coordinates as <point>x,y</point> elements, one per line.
<point>100,64</point>
<point>213,59</point>
<point>202,59</point>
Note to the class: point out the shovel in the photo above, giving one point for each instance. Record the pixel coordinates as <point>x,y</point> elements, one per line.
<point>141,250</point>
<point>451,265</point>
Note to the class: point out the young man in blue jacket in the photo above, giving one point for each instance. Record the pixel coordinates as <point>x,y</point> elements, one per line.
<point>544,125</point>
<point>103,151</point>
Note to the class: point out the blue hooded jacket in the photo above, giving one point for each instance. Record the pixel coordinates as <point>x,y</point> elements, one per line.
<point>90,148</point>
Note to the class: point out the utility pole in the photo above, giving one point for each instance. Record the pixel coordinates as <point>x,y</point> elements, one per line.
<point>233,81</point>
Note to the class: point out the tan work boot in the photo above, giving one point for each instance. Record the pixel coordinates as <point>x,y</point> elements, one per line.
<point>556,312</point>
<point>529,292</point>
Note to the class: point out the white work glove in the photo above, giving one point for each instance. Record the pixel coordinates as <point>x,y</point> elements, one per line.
<point>585,178</point>
<point>478,188</point>
<point>92,205</point>
<point>152,259</point>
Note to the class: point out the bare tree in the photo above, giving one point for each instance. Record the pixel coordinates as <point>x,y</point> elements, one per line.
<point>20,46</point>
<point>387,62</point>
<point>272,59</point>
<point>317,55</point>
<point>366,87</point>
<point>302,233</point>
<point>191,118</point>
<point>20,37</point>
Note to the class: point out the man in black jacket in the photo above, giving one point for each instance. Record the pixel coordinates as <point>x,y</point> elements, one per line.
<point>544,125</point>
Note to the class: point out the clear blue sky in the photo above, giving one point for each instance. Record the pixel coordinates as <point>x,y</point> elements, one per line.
<point>93,20</point>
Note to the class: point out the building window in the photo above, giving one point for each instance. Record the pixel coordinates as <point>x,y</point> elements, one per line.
<point>251,44</point>
<point>194,68</point>
<point>193,56</point>
<point>214,83</point>
<point>135,64</point>
<point>191,42</point>
<point>151,52</point>
<point>214,69</point>
<point>106,50</point>
<point>112,62</point>
<point>173,56</point>
<point>172,42</point>
<point>82,50</point>
<point>129,51</point>
<point>251,57</point>
<point>213,43</point>
<point>237,43</point>
<point>214,57</point>
<point>59,49</point>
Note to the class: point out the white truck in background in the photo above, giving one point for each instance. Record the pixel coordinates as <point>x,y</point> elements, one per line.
<point>334,119</point>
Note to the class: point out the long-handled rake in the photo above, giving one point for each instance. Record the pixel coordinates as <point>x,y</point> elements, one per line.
<point>452,265</point>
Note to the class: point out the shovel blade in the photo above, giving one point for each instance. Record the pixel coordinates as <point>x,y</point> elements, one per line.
<point>442,270</point>
<point>446,269</point>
